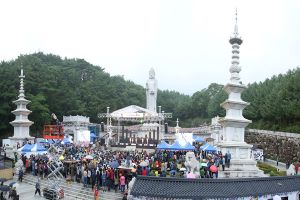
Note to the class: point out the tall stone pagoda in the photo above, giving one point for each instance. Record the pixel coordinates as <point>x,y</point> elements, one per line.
<point>151,91</point>
<point>21,124</point>
<point>232,136</point>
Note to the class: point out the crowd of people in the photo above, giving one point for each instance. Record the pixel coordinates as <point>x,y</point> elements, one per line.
<point>95,167</point>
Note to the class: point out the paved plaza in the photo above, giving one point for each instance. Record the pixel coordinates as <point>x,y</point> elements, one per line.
<point>72,190</point>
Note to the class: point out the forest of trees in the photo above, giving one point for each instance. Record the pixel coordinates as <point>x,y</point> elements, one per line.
<point>75,87</point>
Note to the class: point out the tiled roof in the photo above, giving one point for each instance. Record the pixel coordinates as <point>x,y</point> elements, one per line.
<point>213,188</point>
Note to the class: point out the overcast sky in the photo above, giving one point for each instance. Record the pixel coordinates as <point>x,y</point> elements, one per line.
<point>186,42</point>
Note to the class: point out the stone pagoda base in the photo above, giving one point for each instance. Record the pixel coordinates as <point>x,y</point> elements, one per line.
<point>241,164</point>
<point>14,141</point>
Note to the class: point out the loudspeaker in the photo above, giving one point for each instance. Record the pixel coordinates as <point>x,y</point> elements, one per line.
<point>102,127</point>
<point>166,127</point>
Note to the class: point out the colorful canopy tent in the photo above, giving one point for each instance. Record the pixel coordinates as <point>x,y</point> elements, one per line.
<point>29,149</point>
<point>38,148</point>
<point>52,141</point>
<point>188,146</point>
<point>25,148</point>
<point>198,139</point>
<point>208,147</point>
<point>163,146</point>
<point>43,141</point>
<point>66,141</point>
<point>176,146</point>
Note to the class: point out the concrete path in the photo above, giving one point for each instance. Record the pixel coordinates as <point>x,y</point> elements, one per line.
<point>72,191</point>
<point>281,166</point>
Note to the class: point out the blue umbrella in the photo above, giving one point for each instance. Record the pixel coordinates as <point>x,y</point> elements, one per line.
<point>4,188</point>
<point>11,184</point>
<point>3,179</point>
<point>114,164</point>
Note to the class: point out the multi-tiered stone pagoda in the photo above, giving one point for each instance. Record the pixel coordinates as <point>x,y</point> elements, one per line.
<point>21,124</point>
<point>232,137</point>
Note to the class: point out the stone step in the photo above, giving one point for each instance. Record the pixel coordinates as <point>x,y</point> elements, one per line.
<point>74,190</point>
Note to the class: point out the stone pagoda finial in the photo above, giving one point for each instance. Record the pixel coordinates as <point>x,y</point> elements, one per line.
<point>235,41</point>
<point>236,32</point>
<point>21,91</point>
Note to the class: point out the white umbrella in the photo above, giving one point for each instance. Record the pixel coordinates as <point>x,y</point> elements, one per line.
<point>182,169</point>
<point>89,157</point>
<point>143,164</point>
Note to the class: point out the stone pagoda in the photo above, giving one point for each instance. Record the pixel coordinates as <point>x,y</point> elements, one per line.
<point>232,136</point>
<point>21,124</point>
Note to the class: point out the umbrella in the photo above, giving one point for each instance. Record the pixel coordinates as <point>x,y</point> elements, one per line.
<point>182,169</point>
<point>213,168</point>
<point>190,175</point>
<point>3,180</point>
<point>89,157</point>
<point>61,157</point>
<point>4,188</point>
<point>203,164</point>
<point>11,184</point>
<point>143,164</point>
<point>114,164</point>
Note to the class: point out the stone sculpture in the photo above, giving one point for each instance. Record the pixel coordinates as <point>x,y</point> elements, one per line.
<point>19,165</point>
<point>192,164</point>
<point>291,170</point>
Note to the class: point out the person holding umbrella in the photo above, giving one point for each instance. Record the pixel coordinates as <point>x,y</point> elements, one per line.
<point>214,170</point>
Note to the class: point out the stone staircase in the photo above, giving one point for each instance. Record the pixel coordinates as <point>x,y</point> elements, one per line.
<point>74,190</point>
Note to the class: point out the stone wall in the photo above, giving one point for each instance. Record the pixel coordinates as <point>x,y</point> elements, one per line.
<point>284,145</point>
<point>6,173</point>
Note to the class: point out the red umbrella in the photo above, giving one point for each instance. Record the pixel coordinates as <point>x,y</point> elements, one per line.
<point>213,168</point>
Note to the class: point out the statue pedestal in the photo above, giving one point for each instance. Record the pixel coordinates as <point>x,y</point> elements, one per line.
<point>14,141</point>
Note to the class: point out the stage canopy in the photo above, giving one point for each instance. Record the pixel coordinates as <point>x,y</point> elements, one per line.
<point>133,112</point>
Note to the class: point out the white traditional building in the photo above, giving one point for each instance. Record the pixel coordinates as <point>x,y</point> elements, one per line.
<point>21,124</point>
<point>232,135</point>
<point>151,91</point>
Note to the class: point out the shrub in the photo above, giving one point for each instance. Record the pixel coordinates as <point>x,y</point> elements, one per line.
<point>268,169</point>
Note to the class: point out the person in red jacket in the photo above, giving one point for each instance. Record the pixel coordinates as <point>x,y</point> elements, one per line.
<point>296,167</point>
<point>144,171</point>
